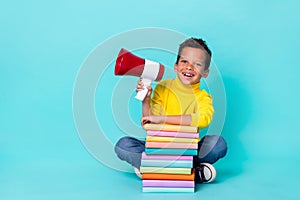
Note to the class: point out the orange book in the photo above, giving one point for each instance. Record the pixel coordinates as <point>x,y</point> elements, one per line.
<point>156,176</point>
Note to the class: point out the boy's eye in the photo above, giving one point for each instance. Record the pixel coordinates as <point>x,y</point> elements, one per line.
<point>198,64</point>
<point>183,61</point>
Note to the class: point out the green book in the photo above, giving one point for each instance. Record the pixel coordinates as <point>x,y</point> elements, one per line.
<point>167,163</point>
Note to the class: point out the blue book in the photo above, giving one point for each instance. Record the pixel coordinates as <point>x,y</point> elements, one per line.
<point>167,163</point>
<point>187,152</point>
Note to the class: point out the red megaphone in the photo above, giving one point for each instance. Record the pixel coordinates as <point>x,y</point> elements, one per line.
<point>128,64</point>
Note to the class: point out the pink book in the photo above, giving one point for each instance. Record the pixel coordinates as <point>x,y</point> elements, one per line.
<point>171,127</point>
<point>168,183</point>
<point>173,134</point>
<point>165,157</point>
<point>172,145</point>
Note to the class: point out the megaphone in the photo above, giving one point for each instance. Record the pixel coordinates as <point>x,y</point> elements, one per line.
<point>128,64</point>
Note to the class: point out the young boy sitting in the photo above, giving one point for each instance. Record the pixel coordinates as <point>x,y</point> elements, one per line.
<point>181,102</point>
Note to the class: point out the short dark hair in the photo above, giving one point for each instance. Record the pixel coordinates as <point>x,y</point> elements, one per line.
<point>195,43</point>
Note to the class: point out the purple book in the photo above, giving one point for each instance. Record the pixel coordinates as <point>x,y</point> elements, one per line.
<point>173,134</point>
<point>168,183</point>
<point>165,157</point>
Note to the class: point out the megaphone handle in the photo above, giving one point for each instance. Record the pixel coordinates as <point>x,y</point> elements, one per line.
<point>142,94</point>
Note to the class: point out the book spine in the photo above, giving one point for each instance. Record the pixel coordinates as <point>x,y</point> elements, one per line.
<point>167,163</point>
<point>167,183</point>
<point>169,127</point>
<point>170,139</point>
<point>167,189</point>
<point>165,170</point>
<point>190,152</point>
<point>171,145</point>
<point>156,176</point>
<point>173,134</point>
<point>165,157</point>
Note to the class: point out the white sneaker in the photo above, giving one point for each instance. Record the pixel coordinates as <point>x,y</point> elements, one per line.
<point>137,172</point>
<point>205,173</point>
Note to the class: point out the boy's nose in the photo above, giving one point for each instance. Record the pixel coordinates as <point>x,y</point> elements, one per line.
<point>189,66</point>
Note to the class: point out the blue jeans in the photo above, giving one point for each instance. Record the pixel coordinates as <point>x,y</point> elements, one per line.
<point>210,149</point>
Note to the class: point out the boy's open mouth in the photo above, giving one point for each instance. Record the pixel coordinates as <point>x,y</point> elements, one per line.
<point>188,74</point>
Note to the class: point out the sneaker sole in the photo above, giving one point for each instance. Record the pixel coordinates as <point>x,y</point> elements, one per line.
<point>212,170</point>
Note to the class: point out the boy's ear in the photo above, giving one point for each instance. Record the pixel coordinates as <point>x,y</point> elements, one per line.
<point>175,67</point>
<point>205,74</point>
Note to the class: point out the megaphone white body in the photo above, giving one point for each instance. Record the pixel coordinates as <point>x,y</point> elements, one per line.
<point>128,64</point>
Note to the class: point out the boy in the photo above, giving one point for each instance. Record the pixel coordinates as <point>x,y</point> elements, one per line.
<point>181,102</point>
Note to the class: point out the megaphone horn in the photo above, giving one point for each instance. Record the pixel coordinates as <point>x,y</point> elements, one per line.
<point>129,64</point>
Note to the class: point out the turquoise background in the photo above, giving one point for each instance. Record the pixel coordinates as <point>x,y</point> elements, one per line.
<point>44,43</point>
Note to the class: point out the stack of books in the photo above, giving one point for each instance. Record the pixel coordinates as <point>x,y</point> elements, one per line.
<point>167,163</point>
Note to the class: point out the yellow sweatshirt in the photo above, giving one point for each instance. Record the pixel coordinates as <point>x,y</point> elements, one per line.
<point>171,97</point>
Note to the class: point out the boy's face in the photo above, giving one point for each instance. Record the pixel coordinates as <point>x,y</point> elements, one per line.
<point>191,65</point>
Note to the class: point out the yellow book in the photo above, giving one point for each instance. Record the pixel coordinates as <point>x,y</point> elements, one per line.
<point>165,170</point>
<point>170,139</point>
<point>171,127</point>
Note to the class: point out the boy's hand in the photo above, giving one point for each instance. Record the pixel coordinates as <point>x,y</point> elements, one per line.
<point>152,119</point>
<point>140,87</point>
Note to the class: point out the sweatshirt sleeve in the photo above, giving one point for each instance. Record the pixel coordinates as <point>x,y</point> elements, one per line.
<point>157,100</point>
<point>204,111</point>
